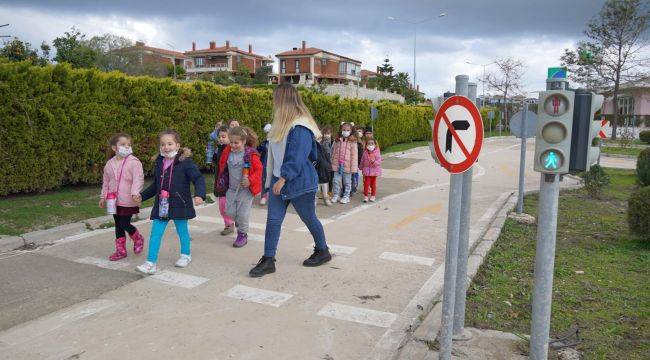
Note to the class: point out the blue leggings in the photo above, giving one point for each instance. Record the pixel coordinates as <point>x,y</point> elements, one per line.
<point>157,232</point>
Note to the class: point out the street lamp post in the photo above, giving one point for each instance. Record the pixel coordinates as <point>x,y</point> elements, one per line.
<point>482,78</point>
<point>415,24</point>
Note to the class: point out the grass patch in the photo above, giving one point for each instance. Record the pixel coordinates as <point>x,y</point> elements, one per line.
<point>609,302</point>
<point>405,146</point>
<point>28,212</point>
<point>632,151</point>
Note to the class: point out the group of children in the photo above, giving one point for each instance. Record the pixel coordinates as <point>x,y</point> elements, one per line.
<point>238,164</point>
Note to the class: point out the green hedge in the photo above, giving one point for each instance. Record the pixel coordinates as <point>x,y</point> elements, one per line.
<point>55,121</point>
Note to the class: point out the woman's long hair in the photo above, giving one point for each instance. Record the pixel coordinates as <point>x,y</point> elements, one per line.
<point>287,107</point>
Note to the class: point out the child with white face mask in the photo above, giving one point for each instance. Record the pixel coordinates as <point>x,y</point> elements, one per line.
<point>344,163</point>
<point>122,182</point>
<point>371,168</point>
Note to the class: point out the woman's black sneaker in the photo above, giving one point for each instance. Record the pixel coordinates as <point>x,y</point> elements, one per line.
<point>319,257</point>
<point>266,265</point>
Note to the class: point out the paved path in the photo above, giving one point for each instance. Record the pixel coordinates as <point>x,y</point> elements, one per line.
<point>383,254</point>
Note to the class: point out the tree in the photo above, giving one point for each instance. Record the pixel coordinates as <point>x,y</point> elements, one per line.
<point>72,49</point>
<point>611,53</point>
<point>108,58</point>
<point>18,50</point>
<point>507,80</point>
<point>180,71</point>
<point>242,75</point>
<point>262,74</point>
<point>385,78</point>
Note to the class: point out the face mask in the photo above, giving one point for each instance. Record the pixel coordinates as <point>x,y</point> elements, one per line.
<point>124,151</point>
<point>169,155</point>
<point>371,147</point>
<point>327,136</point>
<point>345,133</point>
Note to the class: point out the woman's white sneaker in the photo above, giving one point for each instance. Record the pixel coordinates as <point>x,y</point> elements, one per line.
<point>183,261</point>
<point>148,268</point>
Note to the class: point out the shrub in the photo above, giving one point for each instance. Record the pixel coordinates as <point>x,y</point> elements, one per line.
<point>643,167</point>
<point>638,212</point>
<point>595,180</point>
<point>55,121</point>
<point>645,136</point>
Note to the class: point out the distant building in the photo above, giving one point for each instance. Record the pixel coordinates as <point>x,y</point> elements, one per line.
<point>147,55</point>
<point>633,101</point>
<point>308,66</point>
<point>223,58</point>
<point>366,75</point>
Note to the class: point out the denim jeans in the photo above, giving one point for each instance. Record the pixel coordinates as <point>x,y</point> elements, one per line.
<point>305,208</point>
<point>346,179</point>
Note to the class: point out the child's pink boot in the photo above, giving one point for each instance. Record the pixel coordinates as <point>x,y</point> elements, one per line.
<point>138,242</point>
<point>120,249</point>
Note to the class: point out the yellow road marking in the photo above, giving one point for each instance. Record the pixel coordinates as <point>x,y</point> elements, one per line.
<point>431,209</point>
<point>508,170</point>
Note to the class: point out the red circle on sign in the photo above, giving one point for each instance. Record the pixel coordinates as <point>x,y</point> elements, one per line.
<point>478,140</point>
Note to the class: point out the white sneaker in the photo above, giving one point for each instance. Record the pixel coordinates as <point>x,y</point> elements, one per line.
<point>345,200</point>
<point>365,199</point>
<point>373,199</point>
<point>335,199</point>
<point>148,268</point>
<point>328,202</point>
<point>263,201</point>
<point>183,261</point>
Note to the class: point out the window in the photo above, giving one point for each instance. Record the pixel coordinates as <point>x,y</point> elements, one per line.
<point>342,67</point>
<point>297,66</point>
<point>323,62</point>
<point>199,61</point>
<point>283,66</point>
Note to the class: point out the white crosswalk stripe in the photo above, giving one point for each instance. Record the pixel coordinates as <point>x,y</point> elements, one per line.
<point>405,258</point>
<point>177,279</point>
<point>358,315</point>
<point>337,249</point>
<point>260,296</point>
<point>103,263</point>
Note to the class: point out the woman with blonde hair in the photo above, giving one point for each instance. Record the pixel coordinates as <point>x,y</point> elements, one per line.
<point>291,176</point>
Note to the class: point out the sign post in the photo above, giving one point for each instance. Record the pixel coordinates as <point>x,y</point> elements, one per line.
<point>457,140</point>
<point>522,125</point>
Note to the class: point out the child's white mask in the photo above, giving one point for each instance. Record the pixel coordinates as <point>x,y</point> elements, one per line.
<point>371,147</point>
<point>345,133</point>
<point>124,151</point>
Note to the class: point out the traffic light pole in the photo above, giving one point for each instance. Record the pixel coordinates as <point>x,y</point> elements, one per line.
<point>522,160</point>
<point>549,191</point>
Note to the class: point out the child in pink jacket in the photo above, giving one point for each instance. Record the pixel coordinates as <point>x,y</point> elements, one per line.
<point>371,169</point>
<point>345,155</point>
<point>123,181</point>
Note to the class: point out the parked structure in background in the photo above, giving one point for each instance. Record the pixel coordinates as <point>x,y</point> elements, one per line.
<point>223,58</point>
<point>148,55</point>
<point>367,75</point>
<point>633,103</point>
<point>309,66</point>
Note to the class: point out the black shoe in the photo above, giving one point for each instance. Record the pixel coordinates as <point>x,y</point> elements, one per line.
<point>266,265</point>
<point>319,257</point>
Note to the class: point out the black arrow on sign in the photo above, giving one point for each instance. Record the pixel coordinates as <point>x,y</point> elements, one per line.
<point>458,125</point>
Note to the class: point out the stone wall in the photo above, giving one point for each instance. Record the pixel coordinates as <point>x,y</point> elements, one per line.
<point>361,92</point>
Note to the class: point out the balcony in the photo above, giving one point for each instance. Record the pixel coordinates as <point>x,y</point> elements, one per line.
<point>208,68</point>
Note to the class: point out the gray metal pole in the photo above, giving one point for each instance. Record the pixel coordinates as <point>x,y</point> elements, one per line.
<point>549,191</point>
<point>522,160</point>
<point>463,235</point>
<point>415,36</point>
<point>451,255</point>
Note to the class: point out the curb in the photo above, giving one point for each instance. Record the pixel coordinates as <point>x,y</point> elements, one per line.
<point>618,156</point>
<point>42,237</point>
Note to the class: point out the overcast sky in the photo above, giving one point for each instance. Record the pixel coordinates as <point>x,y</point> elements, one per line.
<point>536,31</point>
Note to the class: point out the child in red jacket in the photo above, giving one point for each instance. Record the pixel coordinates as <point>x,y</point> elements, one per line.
<point>240,175</point>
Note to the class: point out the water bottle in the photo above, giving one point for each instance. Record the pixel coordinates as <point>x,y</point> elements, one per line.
<point>163,208</point>
<point>111,203</point>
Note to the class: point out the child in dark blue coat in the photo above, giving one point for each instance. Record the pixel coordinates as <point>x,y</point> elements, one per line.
<point>174,171</point>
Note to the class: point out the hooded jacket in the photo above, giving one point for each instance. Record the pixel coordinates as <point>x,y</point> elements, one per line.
<point>185,171</point>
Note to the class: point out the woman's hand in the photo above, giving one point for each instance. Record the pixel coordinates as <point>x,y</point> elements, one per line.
<point>277,188</point>
<point>102,203</point>
<point>245,182</point>
<point>198,200</point>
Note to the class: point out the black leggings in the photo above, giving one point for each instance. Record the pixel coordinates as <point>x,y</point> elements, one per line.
<point>122,224</point>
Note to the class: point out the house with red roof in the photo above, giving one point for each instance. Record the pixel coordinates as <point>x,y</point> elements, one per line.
<point>223,58</point>
<point>309,65</point>
<point>148,55</point>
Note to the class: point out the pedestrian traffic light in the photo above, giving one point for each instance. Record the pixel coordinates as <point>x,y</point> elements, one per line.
<point>554,127</point>
<point>585,142</point>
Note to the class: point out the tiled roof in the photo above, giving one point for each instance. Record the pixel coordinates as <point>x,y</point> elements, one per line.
<point>311,51</point>
<point>364,73</point>
<point>166,52</point>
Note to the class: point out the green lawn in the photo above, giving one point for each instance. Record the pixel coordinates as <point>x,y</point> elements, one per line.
<point>632,151</point>
<point>24,213</point>
<point>404,146</point>
<point>610,302</point>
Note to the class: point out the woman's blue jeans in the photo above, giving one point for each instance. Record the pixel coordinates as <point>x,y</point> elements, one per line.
<point>277,209</point>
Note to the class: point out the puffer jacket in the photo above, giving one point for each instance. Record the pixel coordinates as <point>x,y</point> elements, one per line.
<point>346,152</point>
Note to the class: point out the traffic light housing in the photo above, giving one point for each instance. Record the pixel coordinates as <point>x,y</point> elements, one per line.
<point>554,129</point>
<point>585,142</point>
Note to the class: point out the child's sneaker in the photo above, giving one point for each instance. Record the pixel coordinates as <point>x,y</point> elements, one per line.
<point>345,200</point>
<point>183,261</point>
<point>241,241</point>
<point>148,268</point>
<point>227,230</point>
<point>335,199</point>
<point>373,199</point>
<point>328,202</point>
<point>263,201</point>
<point>365,199</point>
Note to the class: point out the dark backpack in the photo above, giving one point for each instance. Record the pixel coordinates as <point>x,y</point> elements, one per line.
<point>323,165</point>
